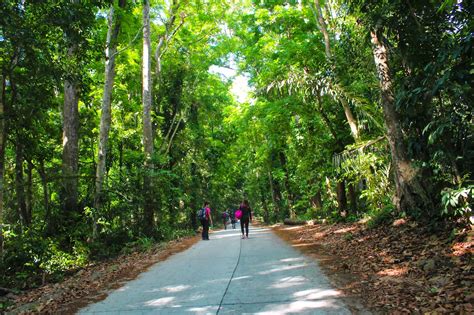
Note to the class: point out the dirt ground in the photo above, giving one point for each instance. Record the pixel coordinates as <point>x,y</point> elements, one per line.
<point>397,269</point>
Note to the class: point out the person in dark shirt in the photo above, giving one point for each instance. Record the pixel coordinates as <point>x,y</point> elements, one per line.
<point>206,222</point>
<point>225,217</point>
<point>246,218</point>
<point>232,218</point>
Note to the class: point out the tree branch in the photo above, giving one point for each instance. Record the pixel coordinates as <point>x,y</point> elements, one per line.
<point>130,44</point>
<point>172,136</point>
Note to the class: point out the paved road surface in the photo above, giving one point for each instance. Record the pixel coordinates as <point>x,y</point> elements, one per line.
<point>227,275</point>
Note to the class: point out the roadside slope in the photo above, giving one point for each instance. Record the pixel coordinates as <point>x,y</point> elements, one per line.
<point>398,268</point>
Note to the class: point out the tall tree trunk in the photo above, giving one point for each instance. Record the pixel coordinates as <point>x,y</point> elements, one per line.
<point>106,115</point>
<point>2,146</point>
<point>194,204</point>
<point>318,15</point>
<point>163,40</point>
<point>263,200</point>
<point>167,35</point>
<point>329,192</point>
<point>261,188</point>
<point>329,125</point>
<point>341,196</point>
<point>20,183</point>
<point>147,124</point>
<point>352,198</point>
<point>2,154</point>
<point>121,161</point>
<point>29,190</point>
<point>44,184</point>
<point>70,158</point>
<point>286,183</point>
<point>317,201</point>
<point>276,195</point>
<point>350,119</point>
<point>410,193</point>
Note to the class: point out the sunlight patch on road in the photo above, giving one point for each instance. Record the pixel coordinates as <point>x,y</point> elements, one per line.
<point>124,288</point>
<point>203,310</point>
<point>283,268</point>
<point>292,259</point>
<point>177,288</point>
<point>260,231</point>
<point>240,278</point>
<point>216,236</point>
<point>297,307</point>
<point>316,294</point>
<point>288,282</point>
<point>160,301</point>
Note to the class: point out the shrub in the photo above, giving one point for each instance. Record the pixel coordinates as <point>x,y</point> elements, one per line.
<point>458,202</point>
<point>380,217</point>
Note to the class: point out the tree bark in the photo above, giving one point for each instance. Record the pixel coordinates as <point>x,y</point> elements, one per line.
<point>341,196</point>
<point>44,182</point>
<point>170,142</point>
<point>318,15</point>
<point>147,123</point>
<point>29,190</point>
<point>340,145</point>
<point>168,35</point>
<point>19,183</point>
<point>276,195</point>
<point>410,193</point>
<point>70,158</point>
<point>350,119</point>
<point>106,114</point>
<point>2,146</point>
<point>266,213</point>
<point>352,198</point>
<point>329,192</point>
<point>317,201</point>
<point>193,189</point>
<point>163,41</point>
<point>286,183</point>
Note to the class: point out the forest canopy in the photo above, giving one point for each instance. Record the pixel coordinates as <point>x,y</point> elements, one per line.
<point>117,120</point>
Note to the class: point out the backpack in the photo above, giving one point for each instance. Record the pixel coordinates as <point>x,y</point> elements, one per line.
<point>238,214</point>
<point>201,214</point>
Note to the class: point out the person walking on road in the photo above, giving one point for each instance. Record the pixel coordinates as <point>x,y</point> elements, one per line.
<point>232,218</point>
<point>246,218</point>
<point>225,217</point>
<point>206,220</point>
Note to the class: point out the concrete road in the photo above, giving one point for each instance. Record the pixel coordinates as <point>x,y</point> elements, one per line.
<point>228,275</point>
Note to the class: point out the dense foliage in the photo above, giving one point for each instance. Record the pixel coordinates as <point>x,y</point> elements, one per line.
<point>325,133</point>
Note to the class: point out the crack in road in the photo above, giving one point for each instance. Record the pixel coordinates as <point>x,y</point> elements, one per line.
<point>230,280</point>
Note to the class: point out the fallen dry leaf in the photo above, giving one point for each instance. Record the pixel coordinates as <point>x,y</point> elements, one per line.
<point>396,269</point>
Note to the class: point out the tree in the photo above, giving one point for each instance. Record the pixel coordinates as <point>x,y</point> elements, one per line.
<point>318,14</point>
<point>411,92</point>
<point>110,54</point>
<point>2,143</point>
<point>409,191</point>
<point>148,218</point>
<point>76,23</point>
